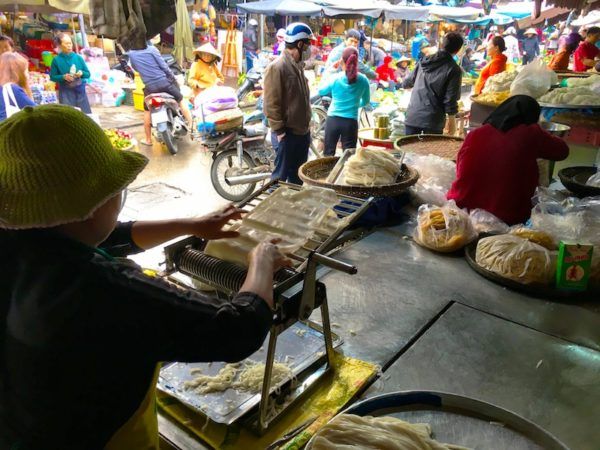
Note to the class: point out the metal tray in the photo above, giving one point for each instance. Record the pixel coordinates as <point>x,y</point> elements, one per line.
<point>228,406</point>
<point>549,105</point>
<point>534,289</point>
<point>460,420</point>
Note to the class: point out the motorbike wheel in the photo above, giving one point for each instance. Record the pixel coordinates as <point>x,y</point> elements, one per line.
<point>317,129</point>
<point>221,163</point>
<point>169,140</point>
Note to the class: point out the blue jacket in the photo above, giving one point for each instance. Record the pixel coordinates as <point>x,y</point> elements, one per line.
<point>151,66</point>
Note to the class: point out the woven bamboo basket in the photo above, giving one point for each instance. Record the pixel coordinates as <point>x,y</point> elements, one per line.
<point>446,147</point>
<point>315,172</point>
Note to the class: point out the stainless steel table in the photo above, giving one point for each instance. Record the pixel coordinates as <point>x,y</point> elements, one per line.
<point>545,379</point>
<point>486,340</point>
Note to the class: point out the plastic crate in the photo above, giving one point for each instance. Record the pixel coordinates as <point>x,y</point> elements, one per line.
<point>138,101</point>
<point>35,47</point>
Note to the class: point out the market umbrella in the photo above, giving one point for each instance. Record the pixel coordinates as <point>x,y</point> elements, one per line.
<point>281,7</point>
<point>184,43</point>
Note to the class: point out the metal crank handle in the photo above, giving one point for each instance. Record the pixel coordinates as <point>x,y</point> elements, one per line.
<point>334,263</point>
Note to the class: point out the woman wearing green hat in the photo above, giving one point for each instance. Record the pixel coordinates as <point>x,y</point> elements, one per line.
<point>81,332</point>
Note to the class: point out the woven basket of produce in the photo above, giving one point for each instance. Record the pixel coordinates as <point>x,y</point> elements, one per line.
<point>446,147</point>
<point>315,172</point>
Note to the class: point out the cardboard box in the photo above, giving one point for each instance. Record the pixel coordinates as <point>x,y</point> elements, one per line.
<point>574,265</point>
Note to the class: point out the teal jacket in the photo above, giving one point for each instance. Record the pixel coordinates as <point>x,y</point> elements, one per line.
<point>61,65</point>
<point>346,98</point>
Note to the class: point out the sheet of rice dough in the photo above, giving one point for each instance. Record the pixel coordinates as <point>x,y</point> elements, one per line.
<point>288,214</point>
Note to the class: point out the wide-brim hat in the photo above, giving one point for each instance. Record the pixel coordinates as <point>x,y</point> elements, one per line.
<point>509,31</point>
<point>209,49</point>
<point>57,166</point>
<point>530,31</point>
<point>403,59</point>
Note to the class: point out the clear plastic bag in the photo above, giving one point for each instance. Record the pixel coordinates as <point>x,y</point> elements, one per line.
<point>516,258</point>
<point>435,178</point>
<point>486,222</point>
<point>572,219</point>
<point>443,229</point>
<point>535,79</point>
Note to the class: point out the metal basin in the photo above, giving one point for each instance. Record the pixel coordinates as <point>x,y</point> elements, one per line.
<point>557,129</point>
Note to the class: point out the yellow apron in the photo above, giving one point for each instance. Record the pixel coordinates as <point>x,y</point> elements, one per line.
<point>140,432</point>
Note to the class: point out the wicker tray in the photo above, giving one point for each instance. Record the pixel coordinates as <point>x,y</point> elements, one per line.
<point>474,99</point>
<point>315,172</point>
<point>430,144</point>
<point>544,291</point>
<point>574,179</point>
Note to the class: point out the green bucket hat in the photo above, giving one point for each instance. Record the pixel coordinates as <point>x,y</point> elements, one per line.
<point>57,166</point>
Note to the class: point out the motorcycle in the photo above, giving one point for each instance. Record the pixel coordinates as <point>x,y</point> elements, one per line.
<point>167,120</point>
<point>124,65</point>
<point>251,83</point>
<point>243,157</point>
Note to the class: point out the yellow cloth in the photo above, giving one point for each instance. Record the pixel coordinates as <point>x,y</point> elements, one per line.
<point>141,430</point>
<point>203,76</point>
<point>349,377</point>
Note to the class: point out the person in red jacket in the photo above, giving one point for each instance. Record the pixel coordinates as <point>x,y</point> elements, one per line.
<point>496,167</point>
<point>385,72</point>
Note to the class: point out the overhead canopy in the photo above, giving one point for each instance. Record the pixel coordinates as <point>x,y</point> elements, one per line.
<point>48,6</point>
<point>593,18</point>
<point>399,12</point>
<point>494,17</point>
<point>546,14</point>
<point>575,4</point>
<point>281,7</point>
<point>356,8</point>
<point>516,10</point>
<point>452,13</point>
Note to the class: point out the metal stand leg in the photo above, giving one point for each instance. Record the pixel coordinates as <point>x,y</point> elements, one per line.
<point>263,421</point>
<point>327,332</point>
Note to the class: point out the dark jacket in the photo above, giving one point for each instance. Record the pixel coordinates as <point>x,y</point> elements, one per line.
<point>81,334</point>
<point>436,84</point>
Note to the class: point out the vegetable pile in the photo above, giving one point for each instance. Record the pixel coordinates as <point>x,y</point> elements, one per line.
<point>119,139</point>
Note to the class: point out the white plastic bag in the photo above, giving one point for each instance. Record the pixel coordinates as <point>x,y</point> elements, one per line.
<point>216,98</point>
<point>435,178</point>
<point>535,79</point>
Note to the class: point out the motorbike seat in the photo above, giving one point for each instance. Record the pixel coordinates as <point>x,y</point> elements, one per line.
<point>160,95</point>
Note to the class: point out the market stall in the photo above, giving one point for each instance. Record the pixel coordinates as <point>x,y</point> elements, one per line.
<point>455,306</point>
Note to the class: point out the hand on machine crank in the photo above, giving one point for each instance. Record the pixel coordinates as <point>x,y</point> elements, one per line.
<point>265,260</point>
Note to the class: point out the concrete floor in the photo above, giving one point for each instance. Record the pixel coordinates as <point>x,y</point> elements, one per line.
<point>170,185</point>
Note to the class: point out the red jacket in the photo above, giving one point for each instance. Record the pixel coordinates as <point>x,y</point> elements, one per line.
<point>385,72</point>
<point>498,171</point>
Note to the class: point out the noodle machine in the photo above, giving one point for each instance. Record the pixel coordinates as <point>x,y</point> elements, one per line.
<point>297,293</point>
